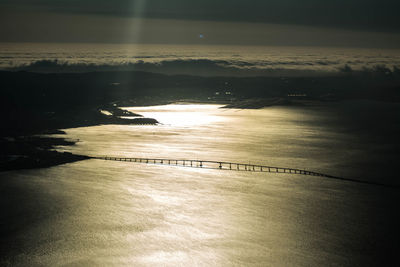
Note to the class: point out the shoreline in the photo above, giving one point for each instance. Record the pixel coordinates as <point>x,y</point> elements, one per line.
<point>31,152</point>
<point>30,148</point>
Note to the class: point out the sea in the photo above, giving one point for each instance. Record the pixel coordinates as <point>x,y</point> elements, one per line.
<point>108,213</point>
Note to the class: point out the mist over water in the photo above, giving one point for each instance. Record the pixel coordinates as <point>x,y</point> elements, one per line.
<point>122,214</point>
<point>191,59</point>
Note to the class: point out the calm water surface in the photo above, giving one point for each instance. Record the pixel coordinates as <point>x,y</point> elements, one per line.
<point>103,213</point>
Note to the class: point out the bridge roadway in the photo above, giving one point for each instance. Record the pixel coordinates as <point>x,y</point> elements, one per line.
<point>221,165</point>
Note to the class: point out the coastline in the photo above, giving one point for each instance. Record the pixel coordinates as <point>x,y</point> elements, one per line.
<point>32,148</point>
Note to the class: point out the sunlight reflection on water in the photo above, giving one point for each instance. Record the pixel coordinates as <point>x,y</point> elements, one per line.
<point>181,115</point>
<point>103,213</point>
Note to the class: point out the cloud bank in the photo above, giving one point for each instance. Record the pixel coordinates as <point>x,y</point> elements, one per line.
<point>204,67</point>
<point>193,60</point>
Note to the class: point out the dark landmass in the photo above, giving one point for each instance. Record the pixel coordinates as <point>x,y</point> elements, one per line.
<point>27,113</point>
<point>255,103</point>
<point>41,103</point>
<point>55,92</point>
<point>21,149</point>
<point>29,152</point>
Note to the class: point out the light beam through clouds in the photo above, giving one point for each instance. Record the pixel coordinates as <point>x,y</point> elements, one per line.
<point>138,8</point>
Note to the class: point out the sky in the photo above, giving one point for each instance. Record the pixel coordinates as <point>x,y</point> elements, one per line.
<point>352,23</point>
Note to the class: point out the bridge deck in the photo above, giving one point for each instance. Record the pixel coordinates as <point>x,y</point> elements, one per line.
<point>221,165</point>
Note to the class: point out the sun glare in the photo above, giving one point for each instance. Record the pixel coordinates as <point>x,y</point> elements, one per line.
<point>180,115</point>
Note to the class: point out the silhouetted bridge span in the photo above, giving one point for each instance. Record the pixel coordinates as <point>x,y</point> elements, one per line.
<point>221,165</point>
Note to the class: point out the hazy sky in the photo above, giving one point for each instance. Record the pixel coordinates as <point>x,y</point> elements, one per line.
<point>367,23</point>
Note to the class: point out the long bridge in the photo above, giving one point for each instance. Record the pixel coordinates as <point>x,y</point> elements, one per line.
<point>233,166</point>
<point>221,165</point>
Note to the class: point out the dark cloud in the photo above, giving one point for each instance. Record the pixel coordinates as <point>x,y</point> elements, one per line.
<point>350,23</point>
<point>369,15</point>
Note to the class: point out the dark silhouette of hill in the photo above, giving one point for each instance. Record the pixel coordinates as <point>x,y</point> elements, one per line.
<point>34,103</point>
<point>53,92</point>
